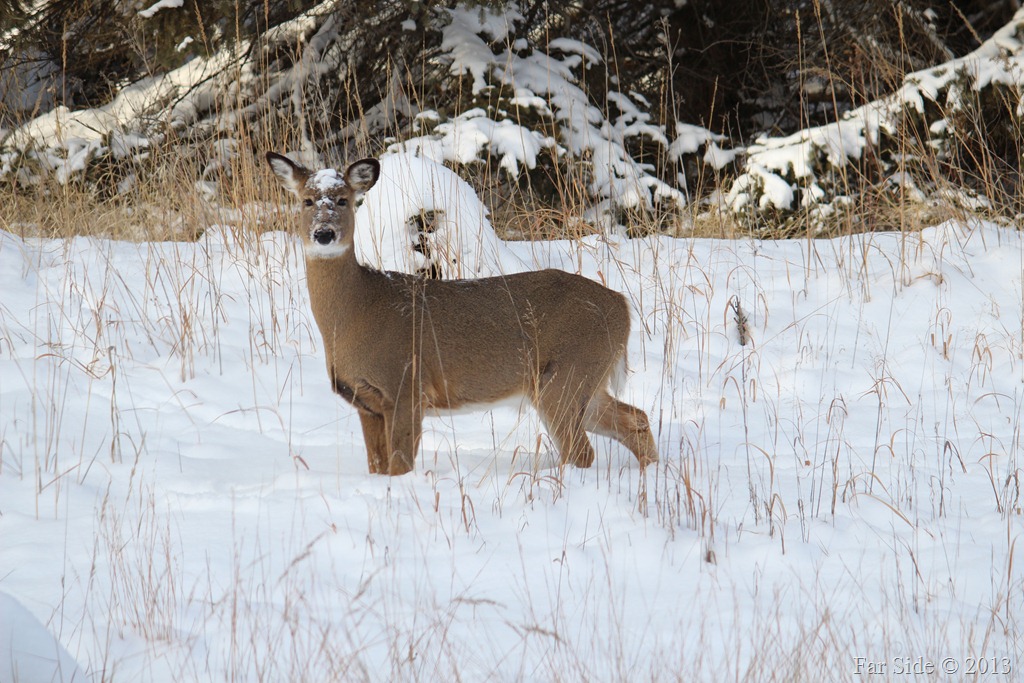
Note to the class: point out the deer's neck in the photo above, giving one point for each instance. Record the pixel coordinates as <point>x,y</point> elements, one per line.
<point>336,284</point>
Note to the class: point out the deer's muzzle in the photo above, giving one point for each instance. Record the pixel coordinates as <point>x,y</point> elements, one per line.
<point>323,236</point>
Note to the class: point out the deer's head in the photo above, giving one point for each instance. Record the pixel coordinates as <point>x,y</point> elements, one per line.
<point>328,199</point>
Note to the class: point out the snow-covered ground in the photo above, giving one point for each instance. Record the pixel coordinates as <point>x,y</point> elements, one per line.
<point>183,498</point>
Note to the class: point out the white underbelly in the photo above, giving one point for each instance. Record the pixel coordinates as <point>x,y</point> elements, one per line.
<point>515,403</point>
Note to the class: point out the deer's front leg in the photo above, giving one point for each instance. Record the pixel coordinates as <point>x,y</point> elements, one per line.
<point>375,436</point>
<point>404,427</point>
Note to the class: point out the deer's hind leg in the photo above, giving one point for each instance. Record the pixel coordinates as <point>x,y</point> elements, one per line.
<point>569,436</point>
<point>625,423</point>
<point>561,404</point>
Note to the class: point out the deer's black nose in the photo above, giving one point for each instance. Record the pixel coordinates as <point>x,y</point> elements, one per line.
<point>323,236</point>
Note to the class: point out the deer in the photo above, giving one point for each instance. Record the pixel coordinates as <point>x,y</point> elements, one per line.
<point>400,346</point>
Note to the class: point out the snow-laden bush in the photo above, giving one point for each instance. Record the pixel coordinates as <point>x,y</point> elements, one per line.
<point>543,86</point>
<point>515,100</point>
<point>528,102</point>
<point>916,140</point>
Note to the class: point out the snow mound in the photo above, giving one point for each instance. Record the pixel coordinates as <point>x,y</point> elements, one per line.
<point>412,191</point>
<point>28,651</point>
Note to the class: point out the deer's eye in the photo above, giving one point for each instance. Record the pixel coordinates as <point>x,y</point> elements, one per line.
<point>342,202</point>
<point>307,202</point>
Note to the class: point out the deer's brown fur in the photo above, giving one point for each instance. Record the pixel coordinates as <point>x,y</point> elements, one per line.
<point>398,345</point>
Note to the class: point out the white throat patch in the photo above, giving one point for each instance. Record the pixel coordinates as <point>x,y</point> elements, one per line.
<point>324,251</point>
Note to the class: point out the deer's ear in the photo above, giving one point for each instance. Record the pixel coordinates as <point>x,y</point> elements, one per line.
<point>292,175</point>
<point>362,174</point>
